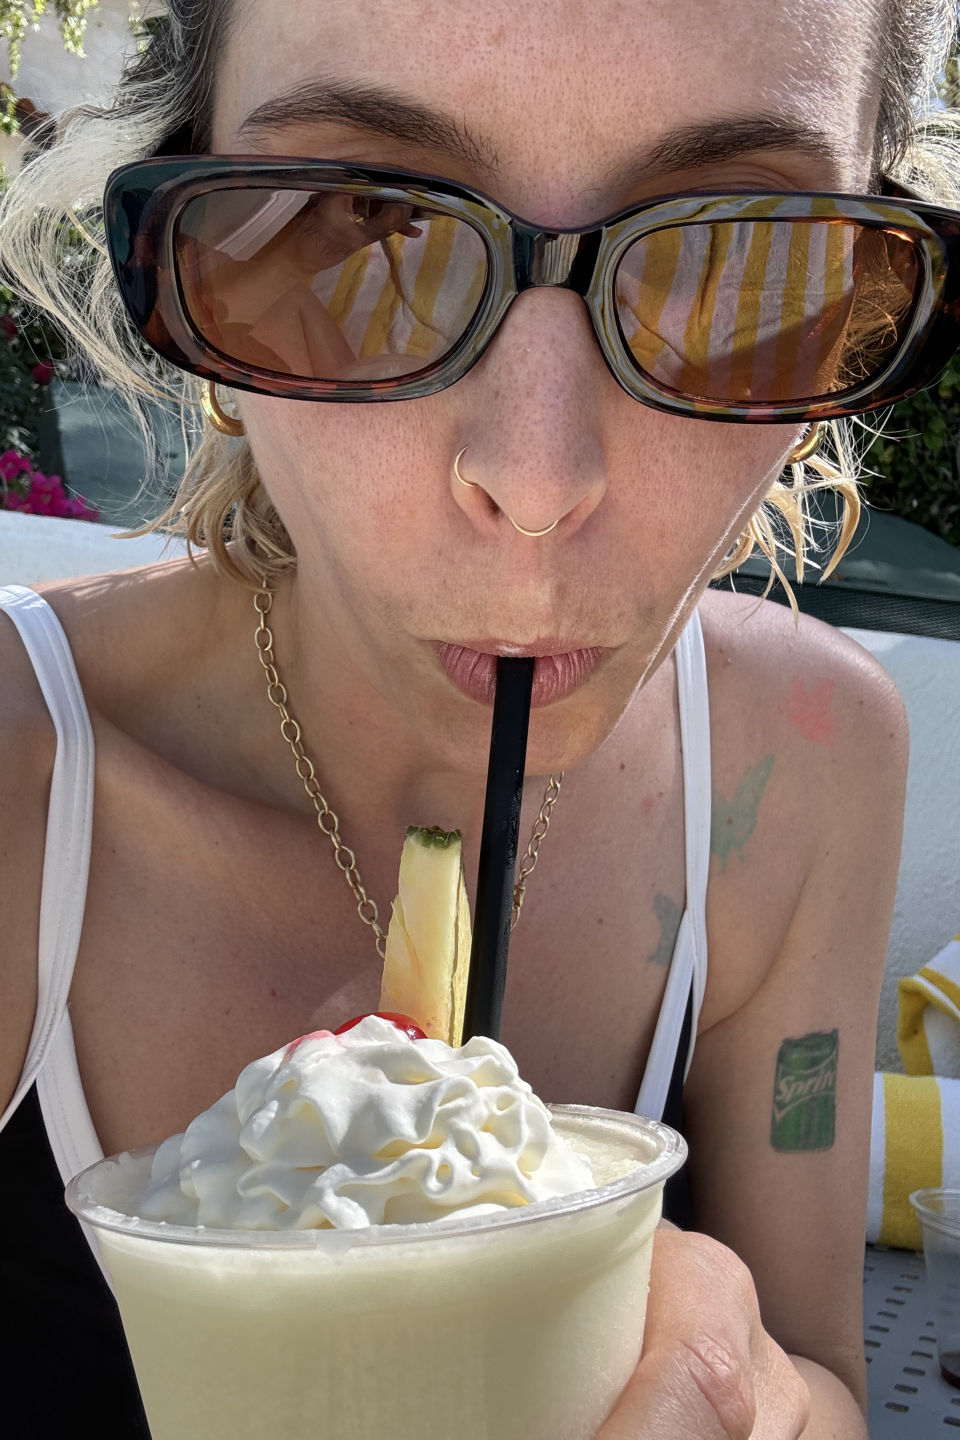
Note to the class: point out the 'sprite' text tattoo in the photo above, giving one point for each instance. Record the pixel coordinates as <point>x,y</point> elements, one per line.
<point>669,915</point>
<point>805,1093</point>
<point>732,822</point>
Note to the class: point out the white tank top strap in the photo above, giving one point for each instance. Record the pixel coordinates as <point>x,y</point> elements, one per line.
<point>694,705</point>
<point>688,968</point>
<point>66,865</point>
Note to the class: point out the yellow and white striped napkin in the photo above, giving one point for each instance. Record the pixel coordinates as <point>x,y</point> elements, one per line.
<point>914,1142</point>
<point>915,1139</point>
<point>928,1024</point>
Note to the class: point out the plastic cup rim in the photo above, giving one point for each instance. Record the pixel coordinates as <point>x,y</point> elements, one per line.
<point>671,1157</point>
<point>936,1219</point>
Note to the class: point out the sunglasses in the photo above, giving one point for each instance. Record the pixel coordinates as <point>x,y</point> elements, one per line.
<point>311,280</point>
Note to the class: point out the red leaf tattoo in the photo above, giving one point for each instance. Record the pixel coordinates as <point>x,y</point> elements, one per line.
<point>809,711</point>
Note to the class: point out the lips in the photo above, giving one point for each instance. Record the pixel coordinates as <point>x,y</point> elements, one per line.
<point>474,671</point>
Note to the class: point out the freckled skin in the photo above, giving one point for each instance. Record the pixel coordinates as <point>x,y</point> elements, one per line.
<point>209,879</point>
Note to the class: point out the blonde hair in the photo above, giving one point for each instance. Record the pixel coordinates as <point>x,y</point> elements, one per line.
<point>163,104</point>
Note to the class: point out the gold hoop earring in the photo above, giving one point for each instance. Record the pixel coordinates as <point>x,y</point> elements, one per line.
<point>806,448</point>
<point>215,413</point>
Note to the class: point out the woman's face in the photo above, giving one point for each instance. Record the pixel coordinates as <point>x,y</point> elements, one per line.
<point>565,112</point>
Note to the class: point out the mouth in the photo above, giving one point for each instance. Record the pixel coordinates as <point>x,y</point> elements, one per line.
<point>557,671</point>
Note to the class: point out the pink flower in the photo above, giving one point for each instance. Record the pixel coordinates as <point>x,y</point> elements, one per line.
<point>33,493</point>
<point>39,496</point>
<point>43,372</point>
<point>45,485</point>
<point>8,328</point>
<point>12,464</point>
<point>74,507</point>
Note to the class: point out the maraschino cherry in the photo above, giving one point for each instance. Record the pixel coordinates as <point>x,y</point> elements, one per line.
<point>402,1022</point>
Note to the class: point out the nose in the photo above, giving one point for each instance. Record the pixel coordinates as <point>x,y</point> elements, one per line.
<point>492,507</point>
<point>530,452</point>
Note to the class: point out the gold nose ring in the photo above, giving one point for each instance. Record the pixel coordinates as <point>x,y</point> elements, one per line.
<point>472,485</point>
<point>534,534</point>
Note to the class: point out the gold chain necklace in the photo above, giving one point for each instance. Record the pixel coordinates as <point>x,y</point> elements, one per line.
<point>327,819</point>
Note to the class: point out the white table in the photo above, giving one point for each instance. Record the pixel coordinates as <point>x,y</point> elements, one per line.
<point>909,1399</point>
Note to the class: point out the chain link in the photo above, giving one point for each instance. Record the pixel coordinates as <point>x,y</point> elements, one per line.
<point>529,862</point>
<point>327,819</point>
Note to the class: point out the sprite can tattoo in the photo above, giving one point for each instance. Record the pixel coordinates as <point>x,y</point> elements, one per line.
<point>805,1093</point>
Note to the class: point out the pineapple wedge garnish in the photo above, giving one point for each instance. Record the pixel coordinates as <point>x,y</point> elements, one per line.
<point>428,941</point>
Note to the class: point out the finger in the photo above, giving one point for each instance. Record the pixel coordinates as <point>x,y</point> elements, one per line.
<point>685,1390</point>
<point>783,1400</point>
<point>704,1294</point>
<point>694,1378</point>
<point>709,1371</point>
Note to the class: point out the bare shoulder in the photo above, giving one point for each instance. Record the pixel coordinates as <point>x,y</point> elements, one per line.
<point>27,739</point>
<point>807,686</point>
<point>134,632</point>
<point>140,639</point>
<point>809,748</point>
<point>27,750</point>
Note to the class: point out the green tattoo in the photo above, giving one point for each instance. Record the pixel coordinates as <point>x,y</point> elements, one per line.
<point>732,822</point>
<point>805,1093</point>
<point>669,915</point>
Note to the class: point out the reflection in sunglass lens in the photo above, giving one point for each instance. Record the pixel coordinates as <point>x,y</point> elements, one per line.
<point>766,311</point>
<point>324,285</point>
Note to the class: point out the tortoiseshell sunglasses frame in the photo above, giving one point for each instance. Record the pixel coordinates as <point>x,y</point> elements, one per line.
<point>144,201</point>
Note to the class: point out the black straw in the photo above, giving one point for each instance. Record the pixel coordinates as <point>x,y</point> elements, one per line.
<point>498,848</point>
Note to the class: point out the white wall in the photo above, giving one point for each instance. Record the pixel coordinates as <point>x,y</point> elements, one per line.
<point>927,912</point>
<point>54,79</point>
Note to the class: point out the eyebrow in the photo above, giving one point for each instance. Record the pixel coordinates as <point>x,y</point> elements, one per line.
<point>369,108</point>
<point>382,112</point>
<point>712,141</point>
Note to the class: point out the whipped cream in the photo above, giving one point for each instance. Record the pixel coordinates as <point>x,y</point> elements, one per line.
<point>365,1128</point>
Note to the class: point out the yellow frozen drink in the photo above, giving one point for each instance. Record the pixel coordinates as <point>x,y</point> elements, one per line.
<point>375,1237</point>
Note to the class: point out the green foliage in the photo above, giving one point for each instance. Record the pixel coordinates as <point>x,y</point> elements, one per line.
<point>8,111</point>
<point>948,87</point>
<point>16,16</point>
<point>31,354</point>
<point>144,27</point>
<point>916,458</point>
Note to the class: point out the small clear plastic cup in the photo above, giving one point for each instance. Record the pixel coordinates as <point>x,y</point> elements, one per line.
<point>939,1214</point>
<point>521,1325</point>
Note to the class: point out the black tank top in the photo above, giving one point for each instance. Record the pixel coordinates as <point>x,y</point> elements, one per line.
<point>65,1370</point>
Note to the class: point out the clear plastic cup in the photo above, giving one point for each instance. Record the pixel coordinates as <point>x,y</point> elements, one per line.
<point>522,1325</point>
<point>939,1214</point>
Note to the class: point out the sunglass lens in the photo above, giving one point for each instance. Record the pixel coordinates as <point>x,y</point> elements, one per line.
<point>325,285</point>
<point>766,311</point>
